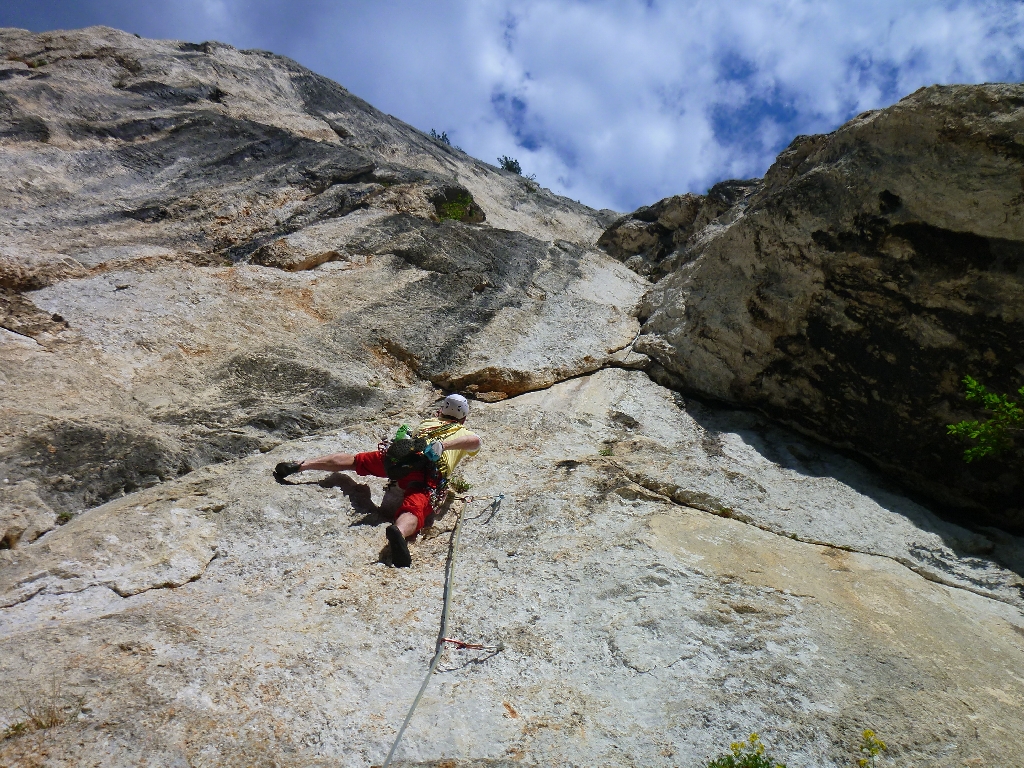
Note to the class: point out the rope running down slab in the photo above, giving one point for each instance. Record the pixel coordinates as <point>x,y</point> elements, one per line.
<point>442,636</point>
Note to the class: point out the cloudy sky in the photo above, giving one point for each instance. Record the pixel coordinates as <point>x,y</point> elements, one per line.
<point>617,103</point>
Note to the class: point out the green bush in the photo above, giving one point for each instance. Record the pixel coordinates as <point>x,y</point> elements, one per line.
<point>995,434</point>
<point>510,164</point>
<point>457,209</point>
<point>746,754</point>
<point>442,137</point>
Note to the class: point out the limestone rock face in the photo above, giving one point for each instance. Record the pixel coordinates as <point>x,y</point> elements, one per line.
<point>207,251</point>
<point>659,579</point>
<point>655,239</point>
<point>215,260</point>
<point>851,293</point>
<point>24,517</point>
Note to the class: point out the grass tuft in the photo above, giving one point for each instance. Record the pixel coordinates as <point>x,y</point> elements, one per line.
<point>53,708</point>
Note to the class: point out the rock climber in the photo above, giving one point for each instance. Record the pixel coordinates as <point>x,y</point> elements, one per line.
<point>448,442</point>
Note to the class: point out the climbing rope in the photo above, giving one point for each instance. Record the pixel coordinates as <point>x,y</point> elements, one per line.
<point>442,636</point>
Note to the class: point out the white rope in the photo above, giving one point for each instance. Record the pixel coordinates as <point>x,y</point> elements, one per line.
<point>442,636</point>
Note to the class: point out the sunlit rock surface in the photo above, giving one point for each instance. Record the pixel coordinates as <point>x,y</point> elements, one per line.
<point>636,629</point>
<point>215,260</point>
<point>208,251</point>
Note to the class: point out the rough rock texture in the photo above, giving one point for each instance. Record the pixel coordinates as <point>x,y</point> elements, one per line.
<point>851,293</point>
<point>207,251</point>
<point>636,629</point>
<point>24,517</point>
<point>655,239</point>
<point>215,260</point>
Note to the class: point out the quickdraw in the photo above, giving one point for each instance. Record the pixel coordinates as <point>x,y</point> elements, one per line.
<point>474,646</point>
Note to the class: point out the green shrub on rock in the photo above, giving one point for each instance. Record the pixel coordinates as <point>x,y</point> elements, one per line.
<point>510,164</point>
<point>457,209</point>
<point>995,434</point>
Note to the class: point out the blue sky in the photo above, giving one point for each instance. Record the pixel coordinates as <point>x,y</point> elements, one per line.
<point>617,103</point>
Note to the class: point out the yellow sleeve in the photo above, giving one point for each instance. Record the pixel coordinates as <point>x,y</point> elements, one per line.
<point>450,459</point>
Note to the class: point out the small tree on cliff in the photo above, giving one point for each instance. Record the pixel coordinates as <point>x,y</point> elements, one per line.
<point>994,435</point>
<point>510,164</point>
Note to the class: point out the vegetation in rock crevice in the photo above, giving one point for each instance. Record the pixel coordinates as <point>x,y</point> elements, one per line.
<point>753,754</point>
<point>870,748</point>
<point>31,63</point>
<point>457,209</point>
<point>746,754</point>
<point>995,435</point>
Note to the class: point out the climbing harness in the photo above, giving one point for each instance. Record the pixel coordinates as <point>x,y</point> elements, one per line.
<point>442,637</point>
<point>404,454</point>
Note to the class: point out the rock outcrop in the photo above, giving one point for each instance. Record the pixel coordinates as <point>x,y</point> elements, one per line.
<point>215,260</point>
<point>655,239</point>
<point>852,291</point>
<point>208,251</point>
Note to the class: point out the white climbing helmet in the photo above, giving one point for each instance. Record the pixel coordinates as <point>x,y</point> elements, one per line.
<point>455,406</point>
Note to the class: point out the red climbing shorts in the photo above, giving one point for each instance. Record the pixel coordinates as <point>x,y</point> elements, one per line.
<point>417,497</point>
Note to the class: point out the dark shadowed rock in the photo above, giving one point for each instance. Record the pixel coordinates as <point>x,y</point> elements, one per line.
<point>878,265</point>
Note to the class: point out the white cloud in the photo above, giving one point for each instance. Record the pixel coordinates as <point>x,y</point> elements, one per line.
<point>615,102</point>
<point>620,103</point>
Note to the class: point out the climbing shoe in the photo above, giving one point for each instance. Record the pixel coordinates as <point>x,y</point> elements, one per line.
<point>399,547</point>
<point>285,468</point>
